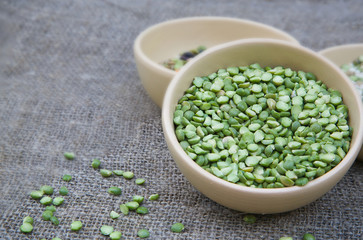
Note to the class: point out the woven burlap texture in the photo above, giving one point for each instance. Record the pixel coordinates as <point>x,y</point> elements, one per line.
<point>68,82</point>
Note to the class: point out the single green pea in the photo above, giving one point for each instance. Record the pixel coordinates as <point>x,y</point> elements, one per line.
<point>76,225</point>
<point>58,201</point>
<point>63,191</point>
<point>118,172</point>
<point>28,219</point>
<point>114,191</point>
<point>96,163</point>
<point>36,194</point>
<point>142,210</point>
<point>50,208</point>
<point>48,190</point>
<point>106,230</point>
<point>105,173</point>
<point>249,219</point>
<point>114,215</point>
<point>54,220</point>
<point>132,205</point>
<point>47,215</point>
<point>143,233</point>
<point>115,235</point>
<point>154,197</point>
<point>177,227</point>
<point>138,198</point>
<point>46,200</point>
<point>140,181</point>
<point>26,227</point>
<point>124,209</point>
<point>128,175</point>
<point>69,155</point>
<point>308,236</point>
<point>67,177</point>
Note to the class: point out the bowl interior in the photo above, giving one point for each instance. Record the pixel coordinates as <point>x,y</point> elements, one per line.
<point>268,53</point>
<point>170,38</point>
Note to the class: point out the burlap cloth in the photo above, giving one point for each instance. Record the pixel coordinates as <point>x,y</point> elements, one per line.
<point>68,82</point>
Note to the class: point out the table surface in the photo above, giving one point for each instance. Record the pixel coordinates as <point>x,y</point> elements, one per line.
<point>68,82</point>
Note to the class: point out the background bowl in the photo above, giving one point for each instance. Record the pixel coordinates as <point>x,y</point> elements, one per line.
<point>341,55</point>
<point>266,53</point>
<point>168,39</point>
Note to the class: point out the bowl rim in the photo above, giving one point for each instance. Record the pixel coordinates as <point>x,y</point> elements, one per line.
<point>342,47</point>
<point>346,52</point>
<point>169,132</point>
<point>138,49</point>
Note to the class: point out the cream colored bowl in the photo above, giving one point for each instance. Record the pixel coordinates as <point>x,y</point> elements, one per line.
<point>168,39</point>
<point>267,53</point>
<point>341,55</point>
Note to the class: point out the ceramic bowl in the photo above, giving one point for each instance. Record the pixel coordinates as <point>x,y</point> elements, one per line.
<point>169,39</point>
<point>341,55</point>
<point>266,52</point>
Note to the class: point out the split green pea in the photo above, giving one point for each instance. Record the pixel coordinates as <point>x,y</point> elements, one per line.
<point>263,127</point>
<point>143,233</point>
<point>177,227</point>
<point>76,225</point>
<point>27,225</point>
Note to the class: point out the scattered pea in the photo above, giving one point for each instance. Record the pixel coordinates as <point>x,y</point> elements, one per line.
<point>67,177</point>
<point>26,228</point>
<point>249,219</point>
<point>115,235</point>
<point>143,233</point>
<point>63,191</point>
<point>47,215</point>
<point>118,172</point>
<point>28,219</point>
<point>154,197</point>
<point>106,230</point>
<point>138,198</point>
<point>96,163</point>
<point>177,227</point>
<point>36,194</point>
<point>48,190</point>
<point>58,201</point>
<point>308,236</point>
<point>114,215</point>
<point>128,175</point>
<point>76,225</point>
<point>132,205</point>
<point>105,173</point>
<point>46,200</point>
<point>69,155</point>
<point>124,209</point>
<point>50,208</point>
<point>140,181</point>
<point>114,191</point>
<point>142,210</point>
<point>54,220</point>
